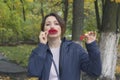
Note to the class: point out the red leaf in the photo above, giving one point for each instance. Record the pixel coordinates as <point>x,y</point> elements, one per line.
<point>82,37</point>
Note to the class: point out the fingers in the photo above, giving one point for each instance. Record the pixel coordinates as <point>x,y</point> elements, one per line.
<point>91,33</point>
<point>43,34</point>
<point>90,36</point>
<point>43,37</point>
<point>46,34</point>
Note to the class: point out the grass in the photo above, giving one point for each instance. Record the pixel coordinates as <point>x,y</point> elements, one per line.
<point>18,54</point>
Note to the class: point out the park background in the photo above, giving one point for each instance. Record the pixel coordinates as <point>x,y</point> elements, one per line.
<point>20,26</point>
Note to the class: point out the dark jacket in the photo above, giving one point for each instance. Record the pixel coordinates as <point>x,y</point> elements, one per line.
<point>73,59</point>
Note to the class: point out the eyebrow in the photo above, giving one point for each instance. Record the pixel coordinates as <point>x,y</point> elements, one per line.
<point>50,21</point>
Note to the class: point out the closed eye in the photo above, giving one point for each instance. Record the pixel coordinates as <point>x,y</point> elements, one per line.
<point>47,24</point>
<point>56,23</point>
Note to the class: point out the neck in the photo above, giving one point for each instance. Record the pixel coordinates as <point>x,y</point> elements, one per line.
<point>54,43</point>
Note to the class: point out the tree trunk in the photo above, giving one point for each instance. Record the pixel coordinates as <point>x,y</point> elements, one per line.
<point>108,48</point>
<point>109,40</point>
<point>97,14</point>
<point>118,19</point>
<point>78,18</point>
<point>109,17</point>
<point>41,10</point>
<point>65,10</point>
<point>23,10</point>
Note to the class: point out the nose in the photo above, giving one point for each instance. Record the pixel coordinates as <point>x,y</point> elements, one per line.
<point>52,25</point>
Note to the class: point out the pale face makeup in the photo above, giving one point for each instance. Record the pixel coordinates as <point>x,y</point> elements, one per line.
<point>52,26</point>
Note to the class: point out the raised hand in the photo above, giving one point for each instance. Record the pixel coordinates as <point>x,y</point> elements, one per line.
<point>88,37</point>
<point>43,37</point>
<point>91,36</point>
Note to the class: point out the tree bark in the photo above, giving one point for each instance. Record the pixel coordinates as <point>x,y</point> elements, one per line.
<point>65,10</point>
<point>109,40</point>
<point>118,19</point>
<point>109,17</point>
<point>23,10</point>
<point>78,18</point>
<point>41,10</point>
<point>97,14</point>
<point>108,48</point>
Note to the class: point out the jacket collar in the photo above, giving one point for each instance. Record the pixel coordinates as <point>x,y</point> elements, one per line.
<point>64,43</point>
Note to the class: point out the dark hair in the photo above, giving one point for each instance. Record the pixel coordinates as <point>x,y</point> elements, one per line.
<point>59,19</point>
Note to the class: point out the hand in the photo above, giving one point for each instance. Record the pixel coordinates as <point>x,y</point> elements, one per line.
<point>90,37</point>
<point>43,37</point>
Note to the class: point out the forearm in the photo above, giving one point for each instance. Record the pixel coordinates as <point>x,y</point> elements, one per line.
<point>37,60</point>
<point>91,62</point>
<point>94,57</point>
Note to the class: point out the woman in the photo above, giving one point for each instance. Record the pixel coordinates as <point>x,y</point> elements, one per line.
<point>56,58</point>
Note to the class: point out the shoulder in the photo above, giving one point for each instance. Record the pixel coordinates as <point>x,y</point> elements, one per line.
<point>73,48</point>
<point>71,44</point>
<point>40,50</point>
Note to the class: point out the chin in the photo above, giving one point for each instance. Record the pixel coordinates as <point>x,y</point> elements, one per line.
<point>53,36</point>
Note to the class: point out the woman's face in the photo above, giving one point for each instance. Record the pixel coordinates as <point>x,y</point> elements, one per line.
<point>52,26</point>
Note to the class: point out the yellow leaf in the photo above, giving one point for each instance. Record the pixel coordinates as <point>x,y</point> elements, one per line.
<point>89,0</point>
<point>70,1</point>
<point>112,0</point>
<point>118,69</point>
<point>117,1</point>
<point>33,78</point>
<point>29,0</point>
